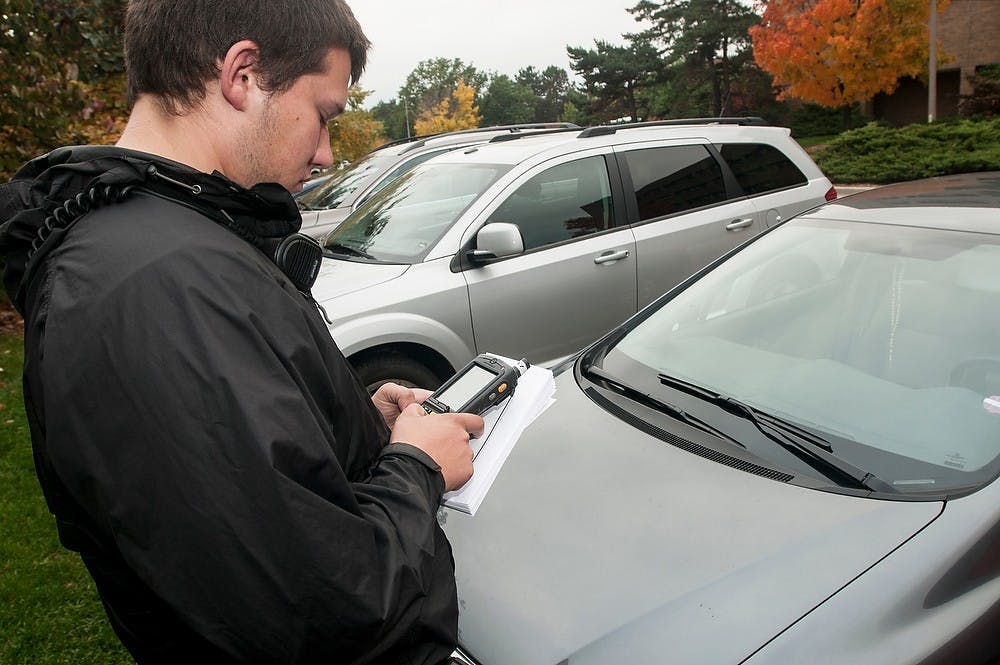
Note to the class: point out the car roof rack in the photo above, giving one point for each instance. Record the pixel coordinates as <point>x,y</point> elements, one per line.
<point>408,139</point>
<point>603,130</point>
<point>421,141</point>
<point>513,129</point>
<point>518,127</point>
<point>541,132</point>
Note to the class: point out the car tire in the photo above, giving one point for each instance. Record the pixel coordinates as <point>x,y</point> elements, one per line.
<point>392,367</point>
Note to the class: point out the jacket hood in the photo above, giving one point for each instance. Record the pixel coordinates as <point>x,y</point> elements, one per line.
<point>48,194</point>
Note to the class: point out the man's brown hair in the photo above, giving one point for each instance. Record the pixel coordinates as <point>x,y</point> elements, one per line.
<point>172,47</point>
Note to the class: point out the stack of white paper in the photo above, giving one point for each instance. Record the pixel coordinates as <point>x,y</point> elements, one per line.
<point>504,425</point>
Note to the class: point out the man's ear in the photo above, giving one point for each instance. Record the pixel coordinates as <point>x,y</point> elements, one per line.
<point>238,76</point>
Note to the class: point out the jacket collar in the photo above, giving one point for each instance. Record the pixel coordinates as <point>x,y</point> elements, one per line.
<point>44,185</point>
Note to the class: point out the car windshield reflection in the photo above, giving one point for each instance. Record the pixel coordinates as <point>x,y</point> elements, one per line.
<point>404,220</point>
<point>340,186</point>
<point>881,339</point>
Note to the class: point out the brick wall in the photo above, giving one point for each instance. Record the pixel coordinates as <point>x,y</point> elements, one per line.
<point>969,32</point>
<point>969,35</point>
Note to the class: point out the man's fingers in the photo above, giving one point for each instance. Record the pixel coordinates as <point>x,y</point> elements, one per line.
<point>414,409</point>
<point>404,397</point>
<point>472,423</point>
<point>445,437</point>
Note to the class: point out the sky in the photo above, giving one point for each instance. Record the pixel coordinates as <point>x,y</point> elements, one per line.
<point>500,36</point>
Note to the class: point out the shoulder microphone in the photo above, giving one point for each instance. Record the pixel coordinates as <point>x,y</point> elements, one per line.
<point>297,255</point>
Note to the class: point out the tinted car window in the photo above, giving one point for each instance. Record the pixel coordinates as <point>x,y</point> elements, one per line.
<point>565,202</point>
<point>674,179</point>
<point>761,168</point>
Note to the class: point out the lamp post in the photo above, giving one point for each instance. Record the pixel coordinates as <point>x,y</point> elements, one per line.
<point>932,66</point>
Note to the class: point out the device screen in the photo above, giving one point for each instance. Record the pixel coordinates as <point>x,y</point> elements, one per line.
<point>466,387</point>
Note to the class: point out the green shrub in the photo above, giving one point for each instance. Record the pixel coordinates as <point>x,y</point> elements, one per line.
<point>816,120</point>
<point>985,98</point>
<point>877,153</point>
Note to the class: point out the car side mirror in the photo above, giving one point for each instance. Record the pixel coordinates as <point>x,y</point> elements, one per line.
<point>496,241</point>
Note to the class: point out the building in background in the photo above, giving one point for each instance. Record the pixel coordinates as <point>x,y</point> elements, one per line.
<point>968,34</point>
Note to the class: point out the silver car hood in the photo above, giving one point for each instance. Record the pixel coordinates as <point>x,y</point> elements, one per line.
<point>337,277</point>
<point>600,544</point>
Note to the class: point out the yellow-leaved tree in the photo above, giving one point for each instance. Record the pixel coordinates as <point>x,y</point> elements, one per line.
<point>355,132</point>
<point>451,114</point>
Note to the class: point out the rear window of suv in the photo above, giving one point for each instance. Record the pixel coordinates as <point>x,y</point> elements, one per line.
<point>761,168</point>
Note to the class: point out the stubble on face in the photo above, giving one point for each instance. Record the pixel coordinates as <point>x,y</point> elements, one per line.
<point>257,147</point>
<point>283,141</point>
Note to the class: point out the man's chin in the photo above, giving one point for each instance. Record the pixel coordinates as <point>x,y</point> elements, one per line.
<point>297,187</point>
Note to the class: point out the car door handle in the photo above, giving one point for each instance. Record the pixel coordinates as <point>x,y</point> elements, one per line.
<point>608,257</point>
<point>738,224</point>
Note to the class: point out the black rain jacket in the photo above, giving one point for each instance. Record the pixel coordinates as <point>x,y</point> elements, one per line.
<point>198,435</point>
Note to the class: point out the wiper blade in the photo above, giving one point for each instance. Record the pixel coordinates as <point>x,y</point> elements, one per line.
<point>818,455</point>
<point>806,445</point>
<point>344,250</point>
<point>657,405</point>
<point>732,404</point>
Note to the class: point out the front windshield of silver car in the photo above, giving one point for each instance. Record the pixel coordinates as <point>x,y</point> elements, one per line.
<point>881,339</point>
<point>402,222</point>
<point>340,186</point>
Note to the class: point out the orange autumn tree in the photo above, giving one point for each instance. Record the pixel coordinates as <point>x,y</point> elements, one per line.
<point>838,52</point>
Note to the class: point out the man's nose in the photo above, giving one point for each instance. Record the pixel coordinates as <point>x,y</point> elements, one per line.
<point>324,153</point>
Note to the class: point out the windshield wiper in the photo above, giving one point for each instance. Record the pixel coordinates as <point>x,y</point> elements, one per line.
<point>806,445</point>
<point>734,404</point>
<point>657,405</point>
<point>338,248</point>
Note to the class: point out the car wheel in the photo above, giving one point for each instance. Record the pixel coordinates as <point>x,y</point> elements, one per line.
<point>389,367</point>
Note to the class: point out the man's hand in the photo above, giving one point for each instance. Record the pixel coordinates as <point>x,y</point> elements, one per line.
<point>391,398</point>
<point>443,436</point>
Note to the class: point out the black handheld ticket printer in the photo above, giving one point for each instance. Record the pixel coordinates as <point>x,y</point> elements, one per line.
<point>484,382</point>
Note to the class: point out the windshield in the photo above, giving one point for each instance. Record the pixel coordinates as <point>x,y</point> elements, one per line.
<point>880,339</point>
<point>403,221</point>
<point>339,187</point>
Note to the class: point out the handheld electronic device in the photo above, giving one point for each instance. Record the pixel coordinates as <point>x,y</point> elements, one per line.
<point>484,382</point>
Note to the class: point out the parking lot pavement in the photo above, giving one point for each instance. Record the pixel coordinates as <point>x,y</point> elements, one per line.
<point>847,190</point>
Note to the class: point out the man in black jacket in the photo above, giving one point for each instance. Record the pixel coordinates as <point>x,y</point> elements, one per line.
<point>231,487</point>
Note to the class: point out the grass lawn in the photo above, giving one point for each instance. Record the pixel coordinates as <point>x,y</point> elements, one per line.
<point>49,610</point>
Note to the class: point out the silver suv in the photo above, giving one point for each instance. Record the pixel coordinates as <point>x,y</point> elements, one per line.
<point>535,245</point>
<point>326,205</point>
